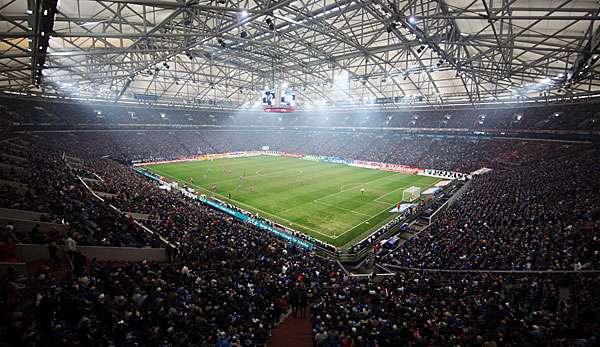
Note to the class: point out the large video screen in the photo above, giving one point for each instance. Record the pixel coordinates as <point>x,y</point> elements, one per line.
<point>288,98</point>
<point>268,98</point>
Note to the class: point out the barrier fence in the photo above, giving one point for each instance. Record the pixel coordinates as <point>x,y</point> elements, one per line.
<point>238,213</point>
<point>558,272</point>
<point>32,252</point>
<point>326,159</point>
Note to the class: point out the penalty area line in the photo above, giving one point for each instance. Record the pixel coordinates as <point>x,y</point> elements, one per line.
<point>341,208</point>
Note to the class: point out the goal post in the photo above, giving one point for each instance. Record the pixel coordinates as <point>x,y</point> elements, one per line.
<point>411,194</point>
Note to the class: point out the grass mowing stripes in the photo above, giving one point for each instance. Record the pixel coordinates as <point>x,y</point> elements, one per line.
<point>320,199</point>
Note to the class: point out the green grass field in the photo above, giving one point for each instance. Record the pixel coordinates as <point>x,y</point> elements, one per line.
<point>320,199</point>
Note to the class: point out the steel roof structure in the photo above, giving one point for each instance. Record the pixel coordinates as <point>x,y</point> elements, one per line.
<point>434,52</point>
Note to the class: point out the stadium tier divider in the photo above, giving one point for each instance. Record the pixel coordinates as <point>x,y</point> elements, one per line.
<point>143,227</point>
<point>405,268</point>
<point>32,252</point>
<point>448,203</point>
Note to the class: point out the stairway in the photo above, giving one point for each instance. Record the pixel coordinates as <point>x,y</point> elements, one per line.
<point>292,332</point>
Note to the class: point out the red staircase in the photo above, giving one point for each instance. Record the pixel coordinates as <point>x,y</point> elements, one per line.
<point>292,332</point>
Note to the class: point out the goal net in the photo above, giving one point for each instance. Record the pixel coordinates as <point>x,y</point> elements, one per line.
<point>411,194</point>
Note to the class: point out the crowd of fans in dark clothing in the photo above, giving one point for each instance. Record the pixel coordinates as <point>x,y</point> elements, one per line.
<point>51,187</point>
<point>580,116</point>
<point>458,309</point>
<point>231,283</point>
<point>453,154</point>
<point>224,297</point>
<point>542,215</point>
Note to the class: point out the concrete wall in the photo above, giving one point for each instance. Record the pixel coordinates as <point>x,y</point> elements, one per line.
<point>27,225</point>
<point>14,184</point>
<point>104,194</point>
<point>9,213</point>
<point>7,168</point>
<point>15,158</point>
<point>28,252</point>
<point>139,216</point>
<point>20,267</point>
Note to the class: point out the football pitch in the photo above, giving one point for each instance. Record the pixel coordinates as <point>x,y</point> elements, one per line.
<point>320,199</point>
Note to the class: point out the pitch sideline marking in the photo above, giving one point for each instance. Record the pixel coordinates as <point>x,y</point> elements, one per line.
<point>363,183</point>
<point>318,232</point>
<point>378,213</point>
<point>375,215</point>
<point>429,186</point>
<point>398,189</point>
<point>375,200</point>
<point>390,192</point>
<point>252,207</point>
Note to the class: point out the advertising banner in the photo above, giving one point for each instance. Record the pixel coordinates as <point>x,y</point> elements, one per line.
<point>337,160</point>
<point>451,175</point>
<point>386,167</point>
<point>165,161</point>
<point>273,153</point>
<point>257,222</point>
<point>293,155</point>
<point>313,157</point>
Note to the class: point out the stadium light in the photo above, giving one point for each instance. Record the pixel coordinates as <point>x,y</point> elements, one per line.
<point>412,20</point>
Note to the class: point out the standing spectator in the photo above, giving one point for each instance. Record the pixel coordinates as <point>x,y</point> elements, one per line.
<point>295,301</point>
<point>303,302</point>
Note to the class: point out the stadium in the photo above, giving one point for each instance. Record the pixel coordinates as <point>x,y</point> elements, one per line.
<point>353,173</point>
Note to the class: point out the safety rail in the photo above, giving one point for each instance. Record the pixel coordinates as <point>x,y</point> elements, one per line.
<point>430,219</point>
<point>406,268</point>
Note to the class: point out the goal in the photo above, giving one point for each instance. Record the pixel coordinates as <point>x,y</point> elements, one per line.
<point>411,194</point>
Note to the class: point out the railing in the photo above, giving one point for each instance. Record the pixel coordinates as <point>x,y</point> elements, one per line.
<point>405,268</point>
<point>33,252</point>
<point>448,203</point>
<point>18,267</point>
<point>146,229</point>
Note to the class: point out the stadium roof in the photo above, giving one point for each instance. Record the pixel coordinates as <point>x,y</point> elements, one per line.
<point>329,52</point>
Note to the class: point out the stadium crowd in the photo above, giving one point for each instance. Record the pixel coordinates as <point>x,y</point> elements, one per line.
<point>229,283</point>
<point>575,117</point>
<point>460,154</point>
<point>223,297</point>
<point>458,309</point>
<point>523,215</point>
<point>47,185</point>
<point>543,215</point>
